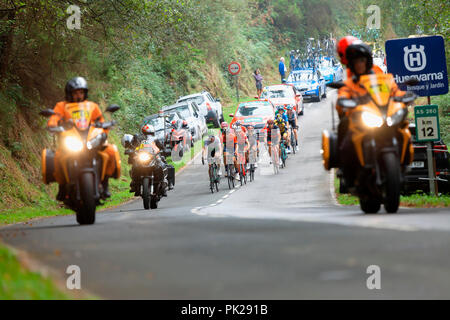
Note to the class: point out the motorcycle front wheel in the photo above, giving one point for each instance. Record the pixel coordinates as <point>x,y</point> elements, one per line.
<point>391,165</point>
<point>86,210</point>
<point>146,193</point>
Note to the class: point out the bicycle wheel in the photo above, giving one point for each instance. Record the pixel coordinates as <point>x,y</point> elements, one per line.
<point>283,155</point>
<point>293,142</point>
<point>241,174</point>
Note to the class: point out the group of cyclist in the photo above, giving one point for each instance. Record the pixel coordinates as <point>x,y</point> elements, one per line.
<point>238,144</point>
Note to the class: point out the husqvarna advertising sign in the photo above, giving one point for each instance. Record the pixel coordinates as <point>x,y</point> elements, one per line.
<point>422,58</point>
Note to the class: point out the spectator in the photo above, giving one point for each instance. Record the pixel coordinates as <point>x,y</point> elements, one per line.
<point>258,79</point>
<point>282,69</point>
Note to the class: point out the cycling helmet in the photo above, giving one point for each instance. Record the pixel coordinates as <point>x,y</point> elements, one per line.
<point>127,140</point>
<point>283,81</point>
<point>174,123</point>
<point>184,124</point>
<point>76,84</point>
<point>280,108</point>
<point>237,124</point>
<point>356,50</point>
<point>224,125</point>
<point>289,107</point>
<point>270,121</point>
<point>148,129</point>
<point>342,47</point>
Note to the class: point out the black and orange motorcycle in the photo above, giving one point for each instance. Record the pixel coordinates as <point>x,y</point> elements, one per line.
<point>381,141</point>
<point>80,161</point>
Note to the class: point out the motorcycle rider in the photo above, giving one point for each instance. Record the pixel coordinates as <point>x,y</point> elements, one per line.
<point>76,91</point>
<point>358,58</point>
<point>148,133</point>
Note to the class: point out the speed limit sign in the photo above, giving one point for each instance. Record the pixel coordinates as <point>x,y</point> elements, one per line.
<point>427,123</point>
<point>234,68</point>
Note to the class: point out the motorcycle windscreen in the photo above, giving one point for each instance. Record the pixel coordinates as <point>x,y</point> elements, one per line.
<point>379,87</point>
<point>80,113</point>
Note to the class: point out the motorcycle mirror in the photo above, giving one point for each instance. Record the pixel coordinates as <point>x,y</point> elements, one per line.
<point>112,108</point>
<point>47,113</point>
<point>68,124</point>
<point>336,85</point>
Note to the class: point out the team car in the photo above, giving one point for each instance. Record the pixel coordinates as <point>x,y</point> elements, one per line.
<point>284,95</point>
<point>254,113</point>
<point>309,83</point>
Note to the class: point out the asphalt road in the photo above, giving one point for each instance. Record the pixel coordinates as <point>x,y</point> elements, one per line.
<point>279,237</point>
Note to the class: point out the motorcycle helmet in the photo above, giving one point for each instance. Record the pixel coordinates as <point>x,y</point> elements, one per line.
<point>342,47</point>
<point>356,50</point>
<point>76,84</point>
<point>148,129</point>
<point>127,140</point>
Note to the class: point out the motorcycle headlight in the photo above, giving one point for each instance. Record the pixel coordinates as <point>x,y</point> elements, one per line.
<point>371,120</point>
<point>73,144</point>
<point>144,157</point>
<point>396,118</point>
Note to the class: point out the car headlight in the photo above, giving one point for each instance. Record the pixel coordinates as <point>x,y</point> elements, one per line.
<point>144,156</point>
<point>396,118</point>
<point>371,120</point>
<point>73,144</point>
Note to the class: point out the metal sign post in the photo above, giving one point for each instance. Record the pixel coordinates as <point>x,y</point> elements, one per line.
<point>234,68</point>
<point>427,130</point>
<point>236,77</point>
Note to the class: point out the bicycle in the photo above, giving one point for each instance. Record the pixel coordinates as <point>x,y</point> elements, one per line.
<point>252,159</point>
<point>275,158</point>
<point>214,177</point>
<point>229,168</point>
<point>242,171</point>
<point>283,153</point>
<point>293,141</point>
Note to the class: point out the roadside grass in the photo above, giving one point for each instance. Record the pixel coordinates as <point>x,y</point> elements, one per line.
<point>417,200</point>
<point>17,283</point>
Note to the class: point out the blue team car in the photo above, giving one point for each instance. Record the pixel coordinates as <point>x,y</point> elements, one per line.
<point>309,83</point>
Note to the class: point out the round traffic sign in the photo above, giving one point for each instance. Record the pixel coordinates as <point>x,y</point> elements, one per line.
<point>234,68</point>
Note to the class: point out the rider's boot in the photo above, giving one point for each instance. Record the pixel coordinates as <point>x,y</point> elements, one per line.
<point>105,183</point>
<point>61,192</point>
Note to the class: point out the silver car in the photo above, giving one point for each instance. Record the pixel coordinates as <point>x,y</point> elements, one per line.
<point>190,112</point>
<point>210,108</point>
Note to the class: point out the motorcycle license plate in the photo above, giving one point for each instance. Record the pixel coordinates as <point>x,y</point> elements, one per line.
<point>417,164</point>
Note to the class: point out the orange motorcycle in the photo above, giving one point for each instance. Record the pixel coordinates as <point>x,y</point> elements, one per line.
<point>381,140</point>
<point>80,161</point>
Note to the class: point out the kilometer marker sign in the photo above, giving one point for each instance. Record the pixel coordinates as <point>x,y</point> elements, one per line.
<point>234,68</point>
<point>427,123</point>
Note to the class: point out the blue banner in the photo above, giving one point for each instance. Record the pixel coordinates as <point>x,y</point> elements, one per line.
<point>422,58</point>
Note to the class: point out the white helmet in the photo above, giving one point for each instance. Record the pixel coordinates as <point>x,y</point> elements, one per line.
<point>148,129</point>
<point>127,139</point>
